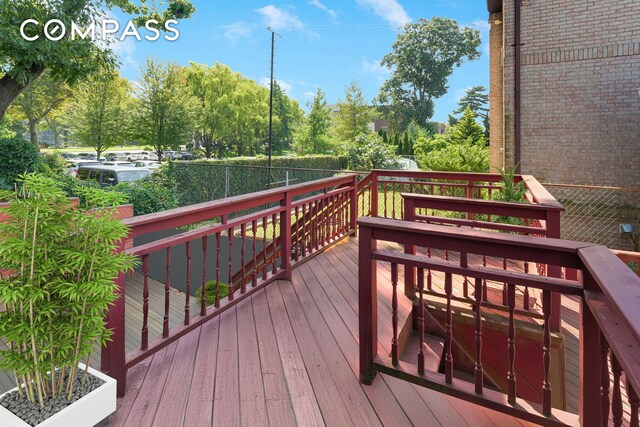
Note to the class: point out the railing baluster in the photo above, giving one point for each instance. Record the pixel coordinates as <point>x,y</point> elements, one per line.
<point>420,320</point>
<point>326,217</point>
<point>167,288</point>
<point>384,191</point>
<point>511,340</point>
<point>525,304</point>
<point>304,230</point>
<point>274,269</point>
<point>479,374</point>
<point>254,278</point>
<point>218,261</point>
<point>429,278</point>
<point>264,247</point>
<point>314,218</point>
<point>231,233</point>
<point>448,365</point>
<point>485,292</point>
<point>296,244</point>
<point>546,353</point>
<point>394,317</point>
<point>393,201</point>
<point>616,401</point>
<point>243,231</point>
<point>203,302</point>
<point>187,308</point>
<point>605,381</point>
<point>634,403</point>
<point>504,285</point>
<point>145,302</point>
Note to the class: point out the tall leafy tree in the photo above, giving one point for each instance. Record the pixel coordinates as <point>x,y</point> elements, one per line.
<point>423,57</point>
<point>213,89</point>
<point>165,110</point>
<point>101,111</point>
<point>312,136</point>
<point>353,115</point>
<point>40,99</point>
<point>288,116</point>
<point>22,62</point>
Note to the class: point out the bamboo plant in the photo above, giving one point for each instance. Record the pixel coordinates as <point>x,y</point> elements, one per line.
<point>511,191</point>
<point>57,265</point>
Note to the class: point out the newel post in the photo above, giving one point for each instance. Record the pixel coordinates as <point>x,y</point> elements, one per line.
<point>409,272</point>
<point>285,235</point>
<point>590,360</point>
<point>374,193</point>
<point>353,205</point>
<point>367,305</point>
<point>553,231</point>
<point>113,354</point>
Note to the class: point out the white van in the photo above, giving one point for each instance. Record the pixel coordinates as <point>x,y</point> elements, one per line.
<point>111,175</point>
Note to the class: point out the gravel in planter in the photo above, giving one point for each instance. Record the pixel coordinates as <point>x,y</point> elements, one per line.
<point>31,413</point>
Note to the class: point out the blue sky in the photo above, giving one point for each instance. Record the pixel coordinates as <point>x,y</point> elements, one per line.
<point>325,43</point>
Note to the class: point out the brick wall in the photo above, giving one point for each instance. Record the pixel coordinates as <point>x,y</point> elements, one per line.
<point>496,129</point>
<point>580,103</point>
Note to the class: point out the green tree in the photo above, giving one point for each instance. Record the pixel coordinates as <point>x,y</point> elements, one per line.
<point>423,57</point>
<point>213,89</point>
<point>39,100</point>
<point>165,107</point>
<point>369,151</point>
<point>100,112</point>
<point>68,60</point>
<point>467,130</point>
<point>353,115</point>
<point>312,136</point>
<point>288,115</point>
<point>475,98</point>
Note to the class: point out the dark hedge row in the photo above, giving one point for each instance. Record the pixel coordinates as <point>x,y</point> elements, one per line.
<point>202,181</point>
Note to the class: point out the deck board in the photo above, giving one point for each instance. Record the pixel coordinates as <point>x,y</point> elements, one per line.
<point>289,356</point>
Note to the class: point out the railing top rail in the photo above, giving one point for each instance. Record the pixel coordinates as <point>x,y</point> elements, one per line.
<point>617,281</point>
<point>208,210</point>
<point>512,246</point>
<point>482,206</point>
<point>540,194</point>
<point>451,176</point>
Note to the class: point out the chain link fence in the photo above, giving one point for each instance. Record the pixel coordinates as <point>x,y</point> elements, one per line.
<point>594,214</point>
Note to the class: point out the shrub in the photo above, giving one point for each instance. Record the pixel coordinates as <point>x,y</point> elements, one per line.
<point>371,152</point>
<point>55,306</point>
<point>513,192</point>
<point>17,156</point>
<point>148,195</point>
<point>210,288</point>
<point>55,162</point>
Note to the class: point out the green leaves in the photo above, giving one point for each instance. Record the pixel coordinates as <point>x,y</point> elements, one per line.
<point>62,261</point>
<point>370,152</point>
<point>422,60</point>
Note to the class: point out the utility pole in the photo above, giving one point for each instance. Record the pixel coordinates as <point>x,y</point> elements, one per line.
<point>273,43</point>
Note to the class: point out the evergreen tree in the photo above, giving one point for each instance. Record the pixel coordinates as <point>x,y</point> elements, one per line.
<point>353,115</point>
<point>475,98</point>
<point>467,130</point>
<point>312,136</point>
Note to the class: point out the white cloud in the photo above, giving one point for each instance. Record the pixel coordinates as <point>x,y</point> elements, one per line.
<point>308,96</point>
<point>237,31</point>
<point>389,10</point>
<point>316,3</point>
<point>286,86</point>
<point>376,69</point>
<point>126,50</point>
<point>280,19</point>
<point>461,92</point>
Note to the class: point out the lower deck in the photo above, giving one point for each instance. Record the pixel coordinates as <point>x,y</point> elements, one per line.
<point>288,355</point>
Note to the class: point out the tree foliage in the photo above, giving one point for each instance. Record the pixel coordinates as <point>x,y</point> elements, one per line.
<point>16,157</point>
<point>101,111</point>
<point>371,152</point>
<point>353,115</point>
<point>67,60</point>
<point>164,114</point>
<point>423,57</point>
<point>313,136</point>
<point>41,99</point>
<point>475,98</point>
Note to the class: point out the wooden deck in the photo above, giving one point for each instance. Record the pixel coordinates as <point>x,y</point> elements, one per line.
<point>288,356</point>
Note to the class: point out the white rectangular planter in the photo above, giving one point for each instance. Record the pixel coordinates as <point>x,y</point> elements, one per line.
<point>86,412</point>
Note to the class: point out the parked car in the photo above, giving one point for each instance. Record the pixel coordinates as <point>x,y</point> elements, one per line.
<point>185,155</point>
<point>147,164</point>
<point>173,155</point>
<point>87,156</point>
<point>74,164</point>
<point>117,163</point>
<point>111,175</point>
<point>111,157</point>
<point>148,155</point>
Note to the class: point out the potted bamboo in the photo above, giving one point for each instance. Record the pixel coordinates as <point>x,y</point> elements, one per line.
<point>57,265</point>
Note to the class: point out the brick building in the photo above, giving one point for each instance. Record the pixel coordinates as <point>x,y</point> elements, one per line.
<point>579,90</point>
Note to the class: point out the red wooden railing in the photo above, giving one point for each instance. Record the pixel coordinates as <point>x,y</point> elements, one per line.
<point>609,294</point>
<point>536,220</point>
<point>632,258</point>
<point>293,223</point>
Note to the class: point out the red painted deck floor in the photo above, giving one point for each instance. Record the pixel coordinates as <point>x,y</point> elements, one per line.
<point>288,356</point>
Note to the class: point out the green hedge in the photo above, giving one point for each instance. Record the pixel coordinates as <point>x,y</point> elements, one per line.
<point>202,181</point>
